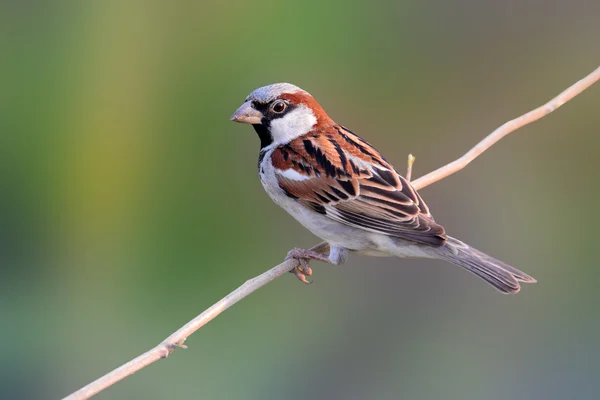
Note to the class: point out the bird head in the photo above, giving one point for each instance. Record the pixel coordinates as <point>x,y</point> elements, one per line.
<point>280,113</point>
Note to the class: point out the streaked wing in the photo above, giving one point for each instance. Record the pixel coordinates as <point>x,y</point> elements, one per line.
<point>338,174</point>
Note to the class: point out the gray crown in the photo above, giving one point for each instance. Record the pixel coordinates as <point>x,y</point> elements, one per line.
<point>269,93</point>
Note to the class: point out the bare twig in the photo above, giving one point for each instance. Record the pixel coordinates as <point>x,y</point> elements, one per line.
<point>178,338</point>
<point>507,128</point>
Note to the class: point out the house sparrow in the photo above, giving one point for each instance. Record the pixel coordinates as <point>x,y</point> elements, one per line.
<point>342,190</point>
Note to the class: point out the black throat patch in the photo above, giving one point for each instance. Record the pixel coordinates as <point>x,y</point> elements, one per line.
<point>263,133</point>
<point>263,129</point>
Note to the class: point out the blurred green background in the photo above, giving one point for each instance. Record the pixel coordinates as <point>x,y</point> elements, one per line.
<point>130,203</point>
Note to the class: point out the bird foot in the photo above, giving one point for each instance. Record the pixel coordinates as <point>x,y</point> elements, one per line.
<point>303,256</point>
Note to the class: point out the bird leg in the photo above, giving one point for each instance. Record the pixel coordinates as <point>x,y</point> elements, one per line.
<point>303,256</point>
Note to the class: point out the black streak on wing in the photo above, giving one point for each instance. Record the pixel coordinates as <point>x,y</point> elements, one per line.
<point>390,204</point>
<point>332,197</point>
<point>370,223</point>
<point>298,155</point>
<point>392,195</point>
<point>403,231</point>
<point>378,180</point>
<point>322,161</point>
<point>353,143</point>
<point>354,167</point>
<point>288,194</point>
<point>339,193</point>
<point>414,195</point>
<point>318,208</point>
<point>310,149</point>
<point>388,176</point>
<point>348,187</point>
<point>340,152</point>
<point>322,198</point>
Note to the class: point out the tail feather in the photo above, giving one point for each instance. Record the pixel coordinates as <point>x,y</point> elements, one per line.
<point>498,274</point>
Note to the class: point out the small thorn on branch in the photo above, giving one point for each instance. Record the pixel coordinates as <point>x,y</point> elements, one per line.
<point>166,350</point>
<point>411,161</point>
<point>169,347</point>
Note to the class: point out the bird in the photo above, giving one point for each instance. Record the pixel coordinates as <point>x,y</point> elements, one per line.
<point>340,188</point>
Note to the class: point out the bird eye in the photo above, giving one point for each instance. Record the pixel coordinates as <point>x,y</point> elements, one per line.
<point>278,107</point>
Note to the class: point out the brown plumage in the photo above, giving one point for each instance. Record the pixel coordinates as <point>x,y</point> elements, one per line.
<point>346,179</point>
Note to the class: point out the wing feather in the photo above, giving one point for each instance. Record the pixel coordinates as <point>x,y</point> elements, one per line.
<point>345,178</point>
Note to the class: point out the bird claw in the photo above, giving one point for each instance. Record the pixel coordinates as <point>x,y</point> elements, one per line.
<point>301,273</point>
<point>303,270</point>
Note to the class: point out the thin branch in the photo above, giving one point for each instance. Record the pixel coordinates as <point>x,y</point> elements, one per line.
<point>507,128</point>
<point>178,338</point>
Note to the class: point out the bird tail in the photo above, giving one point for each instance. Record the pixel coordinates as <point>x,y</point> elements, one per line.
<point>498,274</point>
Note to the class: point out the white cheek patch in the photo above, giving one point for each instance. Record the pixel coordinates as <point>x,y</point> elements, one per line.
<point>292,175</point>
<point>295,123</point>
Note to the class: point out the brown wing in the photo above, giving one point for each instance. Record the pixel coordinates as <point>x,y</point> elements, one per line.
<point>338,174</point>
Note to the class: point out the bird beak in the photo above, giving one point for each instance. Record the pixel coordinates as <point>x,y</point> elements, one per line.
<point>247,114</point>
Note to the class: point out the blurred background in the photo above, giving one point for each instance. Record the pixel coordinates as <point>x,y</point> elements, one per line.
<point>129,202</point>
